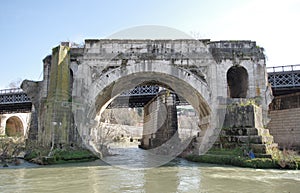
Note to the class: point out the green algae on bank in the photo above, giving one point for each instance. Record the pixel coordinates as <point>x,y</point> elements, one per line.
<point>240,161</point>
<point>60,156</point>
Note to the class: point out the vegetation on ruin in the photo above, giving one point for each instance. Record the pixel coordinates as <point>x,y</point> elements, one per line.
<point>124,116</point>
<point>10,148</point>
<point>59,156</point>
<point>67,156</point>
<point>245,103</point>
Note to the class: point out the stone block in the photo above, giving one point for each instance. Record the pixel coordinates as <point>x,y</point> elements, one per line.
<point>259,148</point>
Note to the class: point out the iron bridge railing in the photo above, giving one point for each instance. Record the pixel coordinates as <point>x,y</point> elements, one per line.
<point>284,76</point>
<point>17,95</point>
<point>142,90</point>
<point>12,96</point>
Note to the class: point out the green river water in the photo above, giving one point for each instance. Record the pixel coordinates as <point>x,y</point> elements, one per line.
<point>126,174</point>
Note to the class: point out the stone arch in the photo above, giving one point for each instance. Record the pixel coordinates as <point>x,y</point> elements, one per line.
<point>182,82</point>
<point>105,88</point>
<point>14,127</point>
<point>238,82</point>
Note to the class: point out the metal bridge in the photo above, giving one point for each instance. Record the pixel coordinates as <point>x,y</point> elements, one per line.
<point>137,97</point>
<point>283,79</point>
<point>14,100</point>
<point>140,96</point>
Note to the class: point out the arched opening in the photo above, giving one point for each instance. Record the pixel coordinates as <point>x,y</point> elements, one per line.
<point>14,127</point>
<point>194,91</point>
<point>149,115</point>
<point>180,81</point>
<point>237,81</point>
<point>110,84</point>
<point>164,125</point>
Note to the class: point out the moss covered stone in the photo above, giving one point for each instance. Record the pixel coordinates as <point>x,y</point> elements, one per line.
<point>60,156</point>
<point>235,160</point>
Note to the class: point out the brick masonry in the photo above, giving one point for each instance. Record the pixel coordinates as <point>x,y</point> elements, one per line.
<point>285,127</point>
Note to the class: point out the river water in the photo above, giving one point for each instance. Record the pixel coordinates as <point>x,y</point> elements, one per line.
<point>126,175</point>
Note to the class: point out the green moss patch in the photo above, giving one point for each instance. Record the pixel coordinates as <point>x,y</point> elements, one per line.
<point>60,156</point>
<point>67,156</point>
<point>234,160</point>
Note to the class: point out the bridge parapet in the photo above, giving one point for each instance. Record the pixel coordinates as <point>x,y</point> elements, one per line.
<point>10,91</point>
<point>286,68</point>
<point>242,49</point>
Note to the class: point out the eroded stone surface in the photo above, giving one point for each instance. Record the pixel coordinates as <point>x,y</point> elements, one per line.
<point>78,82</point>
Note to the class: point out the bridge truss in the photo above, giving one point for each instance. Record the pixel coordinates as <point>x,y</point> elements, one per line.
<point>139,97</point>
<point>284,79</point>
<point>14,100</point>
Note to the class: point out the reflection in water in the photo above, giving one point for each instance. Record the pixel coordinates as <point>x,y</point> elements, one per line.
<point>188,179</point>
<point>176,176</point>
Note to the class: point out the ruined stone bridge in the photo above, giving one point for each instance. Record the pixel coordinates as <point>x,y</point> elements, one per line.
<point>79,83</point>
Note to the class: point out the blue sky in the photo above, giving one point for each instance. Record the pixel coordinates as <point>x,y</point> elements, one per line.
<point>31,28</point>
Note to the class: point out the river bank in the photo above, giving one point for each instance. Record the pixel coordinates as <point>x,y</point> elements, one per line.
<point>283,160</point>
<point>13,150</point>
<point>59,156</point>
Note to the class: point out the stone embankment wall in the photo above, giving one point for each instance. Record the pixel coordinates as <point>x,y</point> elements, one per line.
<point>285,121</point>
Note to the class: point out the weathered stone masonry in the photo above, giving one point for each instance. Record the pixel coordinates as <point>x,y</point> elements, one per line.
<point>160,120</point>
<point>78,82</point>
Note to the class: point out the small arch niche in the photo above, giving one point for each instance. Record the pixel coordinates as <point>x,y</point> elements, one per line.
<point>14,127</point>
<point>237,81</point>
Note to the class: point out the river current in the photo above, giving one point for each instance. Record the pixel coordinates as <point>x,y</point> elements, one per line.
<point>124,174</point>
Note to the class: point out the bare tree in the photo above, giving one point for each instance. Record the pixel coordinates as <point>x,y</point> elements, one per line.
<point>196,34</point>
<point>123,116</point>
<point>15,83</point>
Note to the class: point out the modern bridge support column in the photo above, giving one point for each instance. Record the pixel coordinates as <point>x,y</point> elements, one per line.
<point>160,120</point>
